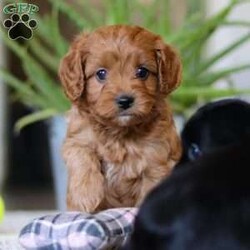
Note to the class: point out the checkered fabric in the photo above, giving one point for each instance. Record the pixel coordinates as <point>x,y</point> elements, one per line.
<point>108,229</point>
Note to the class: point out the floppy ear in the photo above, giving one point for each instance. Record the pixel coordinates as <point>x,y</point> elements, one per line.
<point>71,71</point>
<point>169,69</point>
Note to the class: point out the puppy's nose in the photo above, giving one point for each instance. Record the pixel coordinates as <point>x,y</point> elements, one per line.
<point>125,101</point>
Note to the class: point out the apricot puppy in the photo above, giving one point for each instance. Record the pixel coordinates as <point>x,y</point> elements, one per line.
<point>121,138</point>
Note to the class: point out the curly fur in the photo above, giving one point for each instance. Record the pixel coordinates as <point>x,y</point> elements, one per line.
<point>115,157</point>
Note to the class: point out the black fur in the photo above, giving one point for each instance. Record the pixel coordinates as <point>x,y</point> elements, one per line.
<point>202,206</point>
<point>214,125</point>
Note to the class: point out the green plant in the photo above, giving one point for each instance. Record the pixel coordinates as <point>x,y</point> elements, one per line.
<point>40,56</point>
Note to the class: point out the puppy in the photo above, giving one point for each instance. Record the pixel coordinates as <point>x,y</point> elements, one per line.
<point>202,206</point>
<point>121,138</point>
<point>215,125</point>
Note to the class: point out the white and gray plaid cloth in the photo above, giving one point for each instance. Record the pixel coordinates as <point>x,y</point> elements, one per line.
<point>108,229</point>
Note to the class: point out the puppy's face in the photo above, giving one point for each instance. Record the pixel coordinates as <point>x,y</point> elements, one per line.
<point>120,73</point>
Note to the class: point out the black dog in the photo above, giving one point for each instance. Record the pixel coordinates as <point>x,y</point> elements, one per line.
<point>215,125</point>
<point>202,206</point>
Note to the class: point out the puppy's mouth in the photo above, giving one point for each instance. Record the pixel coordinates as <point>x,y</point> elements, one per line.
<point>125,114</point>
<point>124,118</point>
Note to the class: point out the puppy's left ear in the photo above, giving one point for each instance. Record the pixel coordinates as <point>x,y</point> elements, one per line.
<point>169,68</point>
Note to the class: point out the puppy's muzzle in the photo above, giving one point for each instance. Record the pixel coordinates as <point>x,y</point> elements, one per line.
<point>124,102</point>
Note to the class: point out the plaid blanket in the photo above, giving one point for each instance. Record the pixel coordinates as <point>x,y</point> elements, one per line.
<point>108,229</point>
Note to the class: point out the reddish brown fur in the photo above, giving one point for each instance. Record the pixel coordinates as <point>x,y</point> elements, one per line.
<point>113,161</point>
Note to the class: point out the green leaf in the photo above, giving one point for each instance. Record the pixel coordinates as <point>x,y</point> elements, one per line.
<point>44,33</point>
<point>211,61</point>
<point>188,38</point>
<point>38,76</point>
<point>210,78</point>
<point>44,55</point>
<point>236,23</point>
<point>55,32</point>
<point>118,12</point>
<point>35,117</point>
<point>184,98</point>
<point>25,91</point>
<point>72,14</point>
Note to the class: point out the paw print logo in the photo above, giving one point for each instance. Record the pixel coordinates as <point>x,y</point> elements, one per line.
<point>20,26</point>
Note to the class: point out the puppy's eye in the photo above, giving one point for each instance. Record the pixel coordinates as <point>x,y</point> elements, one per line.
<point>101,75</point>
<point>194,152</point>
<point>142,73</point>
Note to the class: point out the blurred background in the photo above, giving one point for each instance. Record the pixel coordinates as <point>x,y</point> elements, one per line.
<point>213,38</point>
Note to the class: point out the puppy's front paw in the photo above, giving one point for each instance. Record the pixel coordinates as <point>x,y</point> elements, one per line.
<point>86,194</point>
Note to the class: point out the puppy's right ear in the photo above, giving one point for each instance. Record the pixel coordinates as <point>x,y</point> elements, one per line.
<point>71,71</point>
<point>169,68</point>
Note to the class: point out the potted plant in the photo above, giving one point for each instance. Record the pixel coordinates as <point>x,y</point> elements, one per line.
<point>40,55</point>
